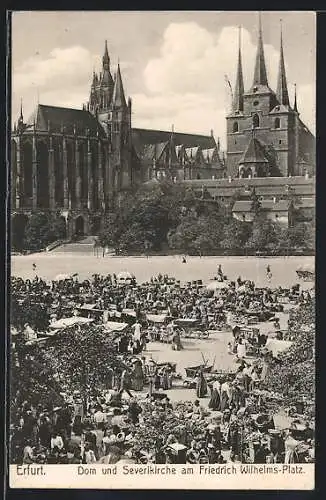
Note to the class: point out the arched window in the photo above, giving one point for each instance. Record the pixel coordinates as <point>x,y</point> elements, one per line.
<point>235,127</point>
<point>255,121</point>
<point>277,123</point>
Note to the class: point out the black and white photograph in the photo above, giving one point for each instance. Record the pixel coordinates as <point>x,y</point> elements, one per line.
<point>162,231</point>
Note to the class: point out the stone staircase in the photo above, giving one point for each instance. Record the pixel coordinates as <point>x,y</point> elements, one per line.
<point>82,246</point>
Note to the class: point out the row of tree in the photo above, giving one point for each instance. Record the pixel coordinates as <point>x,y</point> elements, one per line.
<point>170,217</point>
<point>174,218</point>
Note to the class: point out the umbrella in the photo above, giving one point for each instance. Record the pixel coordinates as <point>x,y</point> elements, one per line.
<point>217,285</point>
<point>125,275</point>
<point>60,277</point>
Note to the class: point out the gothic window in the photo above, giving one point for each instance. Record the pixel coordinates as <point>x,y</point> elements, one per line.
<point>198,176</point>
<point>235,127</point>
<point>277,123</point>
<point>255,121</point>
<point>280,142</point>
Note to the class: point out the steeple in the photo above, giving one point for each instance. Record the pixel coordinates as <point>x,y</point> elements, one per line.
<point>239,87</point>
<point>106,58</point>
<point>106,77</point>
<point>295,105</point>
<point>118,98</point>
<point>20,122</point>
<point>282,89</point>
<point>260,75</point>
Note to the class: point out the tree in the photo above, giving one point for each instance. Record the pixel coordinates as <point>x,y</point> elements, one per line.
<point>235,234</point>
<point>255,202</point>
<point>81,356</point>
<point>266,234</point>
<point>293,375</point>
<point>32,377</point>
<point>43,228</point>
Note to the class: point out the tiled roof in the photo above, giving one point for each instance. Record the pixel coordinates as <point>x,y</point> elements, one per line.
<point>281,108</point>
<point>68,117</point>
<point>242,206</point>
<point>257,181</point>
<point>270,205</point>
<point>254,153</point>
<point>141,136</point>
<point>306,203</point>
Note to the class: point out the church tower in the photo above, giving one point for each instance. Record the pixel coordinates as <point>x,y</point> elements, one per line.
<point>262,122</point>
<point>108,103</point>
<point>119,132</point>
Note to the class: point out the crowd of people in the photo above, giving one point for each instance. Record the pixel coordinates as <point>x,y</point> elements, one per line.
<point>133,419</point>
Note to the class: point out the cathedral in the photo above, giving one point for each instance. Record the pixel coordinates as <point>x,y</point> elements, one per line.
<point>77,161</point>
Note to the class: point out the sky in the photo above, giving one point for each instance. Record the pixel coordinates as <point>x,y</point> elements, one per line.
<point>174,64</point>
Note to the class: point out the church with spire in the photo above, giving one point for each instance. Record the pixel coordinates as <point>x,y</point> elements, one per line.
<point>78,161</point>
<point>265,135</point>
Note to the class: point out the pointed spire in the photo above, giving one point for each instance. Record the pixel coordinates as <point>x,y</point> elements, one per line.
<point>106,58</point>
<point>239,86</point>
<point>21,118</point>
<point>295,105</point>
<point>260,75</point>
<point>118,98</point>
<point>282,89</point>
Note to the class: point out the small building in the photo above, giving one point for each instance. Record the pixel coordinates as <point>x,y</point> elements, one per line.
<point>304,209</point>
<point>280,211</point>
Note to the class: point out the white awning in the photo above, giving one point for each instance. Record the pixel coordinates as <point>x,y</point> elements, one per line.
<point>114,326</point>
<point>276,346</point>
<point>156,318</point>
<point>67,322</point>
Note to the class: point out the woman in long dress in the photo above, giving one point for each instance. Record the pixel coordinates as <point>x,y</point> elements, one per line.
<point>290,445</point>
<point>215,401</point>
<point>225,394</point>
<point>201,387</point>
<point>137,376</point>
